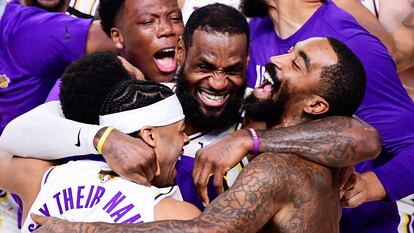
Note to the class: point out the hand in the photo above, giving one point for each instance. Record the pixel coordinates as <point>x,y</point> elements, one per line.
<point>354,192</point>
<point>217,158</point>
<point>346,177</point>
<point>129,157</point>
<point>53,225</point>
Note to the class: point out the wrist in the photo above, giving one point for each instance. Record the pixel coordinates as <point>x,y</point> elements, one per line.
<point>255,140</point>
<point>101,138</point>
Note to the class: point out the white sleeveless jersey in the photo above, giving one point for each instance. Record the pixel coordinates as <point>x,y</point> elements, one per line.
<point>88,191</point>
<point>191,5</point>
<point>82,8</point>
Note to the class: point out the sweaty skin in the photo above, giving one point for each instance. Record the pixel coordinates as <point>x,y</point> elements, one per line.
<point>267,189</point>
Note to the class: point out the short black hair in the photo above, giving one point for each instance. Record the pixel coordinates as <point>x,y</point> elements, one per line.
<point>343,84</point>
<point>133,94</point>
<point>216,18</point>
<point>108,12</point>
<point>253,8</point>
<point>85,83</point>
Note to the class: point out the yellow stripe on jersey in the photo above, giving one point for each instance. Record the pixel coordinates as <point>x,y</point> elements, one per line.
<point>161,192</point>
<point>6,197</point>
<point>92,3</point>
<point>406,223</point>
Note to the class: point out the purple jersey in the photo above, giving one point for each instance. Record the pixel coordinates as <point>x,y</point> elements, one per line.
<point>35,48</point>
<point>386,106</point>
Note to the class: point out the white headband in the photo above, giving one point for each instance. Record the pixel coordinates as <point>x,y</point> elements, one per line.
<point>161,113</point>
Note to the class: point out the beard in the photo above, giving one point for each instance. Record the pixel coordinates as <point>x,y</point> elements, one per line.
<point>269,110</point>
<point>193,109</point>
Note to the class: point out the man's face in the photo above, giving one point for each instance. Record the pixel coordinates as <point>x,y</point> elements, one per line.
<point>149,31</point>
<point>212,81</point>
<point>290,79</point>
<point>169,143</point>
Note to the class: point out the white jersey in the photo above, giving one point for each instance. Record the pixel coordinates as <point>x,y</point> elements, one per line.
<point>191,5</point>
<point>88,191</point>
<point>371,5</point>
<point>83,8</point>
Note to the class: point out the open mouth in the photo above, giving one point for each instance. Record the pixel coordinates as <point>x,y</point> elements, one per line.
<point>212,100</point>
<point>269,85</point>
<point>165,60</point>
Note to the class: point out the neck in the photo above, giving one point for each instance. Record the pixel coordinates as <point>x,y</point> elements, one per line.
<point>289,16</point>
<point>291,118</point>
<point>190,128</point>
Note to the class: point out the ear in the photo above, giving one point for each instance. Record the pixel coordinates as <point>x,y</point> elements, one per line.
<point>180,51</point>
<point>316,105</point>
<point>147,134</point>
<point>117,38</point>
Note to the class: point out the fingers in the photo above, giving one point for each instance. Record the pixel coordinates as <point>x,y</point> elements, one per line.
<point>201,179</point>
<point>354,200</point>
<point>356,194</point>
<point>218,181</point>
<point>40,220</point>
<point>346,174</point>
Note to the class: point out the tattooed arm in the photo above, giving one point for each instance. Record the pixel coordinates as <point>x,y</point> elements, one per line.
<point>248,206</point>
<point>332,141</point>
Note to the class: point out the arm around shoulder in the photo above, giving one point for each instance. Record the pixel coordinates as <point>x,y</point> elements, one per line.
<point>44,133</point>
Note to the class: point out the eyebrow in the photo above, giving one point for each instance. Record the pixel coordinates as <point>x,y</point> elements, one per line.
<point>305,58</point>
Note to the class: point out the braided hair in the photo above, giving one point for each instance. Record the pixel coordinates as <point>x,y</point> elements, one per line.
<point>133,94</point>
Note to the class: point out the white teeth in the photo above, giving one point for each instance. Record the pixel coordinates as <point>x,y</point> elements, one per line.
<point>211,97</point>
<point>267,76</point>
<point>168,50</point>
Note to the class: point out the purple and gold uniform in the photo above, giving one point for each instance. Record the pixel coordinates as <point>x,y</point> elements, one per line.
<point>94,194</point>
<point>386,106</point>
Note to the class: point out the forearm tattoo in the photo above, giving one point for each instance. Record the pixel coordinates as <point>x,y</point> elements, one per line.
<point>332,141</point>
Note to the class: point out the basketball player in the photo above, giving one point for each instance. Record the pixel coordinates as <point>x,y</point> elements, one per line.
<point>93,191</point>
<point>210,86</point>
<point>292,194</point>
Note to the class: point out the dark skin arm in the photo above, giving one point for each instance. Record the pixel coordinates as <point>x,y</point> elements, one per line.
<point>247,207</point>
<point>332,141</point>
<point>129,157</point>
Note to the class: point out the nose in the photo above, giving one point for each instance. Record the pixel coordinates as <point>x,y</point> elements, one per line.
<point>280,61</point>
<point>218,80</point>
<point>165,28</point>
